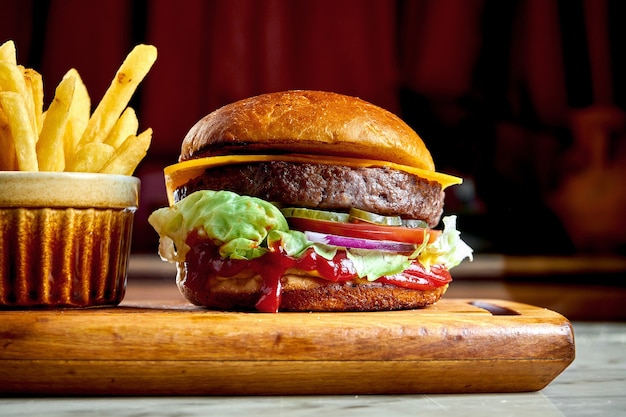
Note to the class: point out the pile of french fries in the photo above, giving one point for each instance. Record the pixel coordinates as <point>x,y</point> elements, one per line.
<point>67,136</point>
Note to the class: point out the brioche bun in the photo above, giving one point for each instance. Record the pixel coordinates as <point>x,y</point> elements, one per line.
<point>302,291</point>
<point>307,122</point>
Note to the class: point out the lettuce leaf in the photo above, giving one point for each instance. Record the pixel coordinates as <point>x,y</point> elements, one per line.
<point>374,264</point>
<point>449,249</point>
<point>238,225</point>
<point>247,227</point>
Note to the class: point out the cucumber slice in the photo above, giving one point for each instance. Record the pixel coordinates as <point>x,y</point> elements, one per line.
<point>305,213</point>
<point>366,216</point>
<point>414,224</point>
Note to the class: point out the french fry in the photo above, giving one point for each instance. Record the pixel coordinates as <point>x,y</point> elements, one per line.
<point>50,154</point>
<point>116,98</point>
<point>8,53</point>
<point>34,88</point>
<point>128,155</point>
<point>91,157</point>
<point>24,138</point>
<point>12,79</point>
<point>80,110</point>
<point>8,159</point>
<point>67,135</point>
<point>125,126</point>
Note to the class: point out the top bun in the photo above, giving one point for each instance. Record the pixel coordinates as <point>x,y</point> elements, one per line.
<point>309,122</point>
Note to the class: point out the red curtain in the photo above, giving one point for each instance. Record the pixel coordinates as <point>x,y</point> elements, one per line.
<point>212,53</point>
<point>467,84</point>
<point>92,37</point>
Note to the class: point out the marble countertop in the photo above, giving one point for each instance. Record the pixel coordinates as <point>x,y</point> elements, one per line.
<point>594,384</point>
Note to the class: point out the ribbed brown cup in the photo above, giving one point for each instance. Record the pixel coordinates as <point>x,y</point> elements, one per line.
<point>65,238</point>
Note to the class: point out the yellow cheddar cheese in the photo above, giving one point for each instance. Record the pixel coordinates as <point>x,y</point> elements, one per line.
<point>180,173</point>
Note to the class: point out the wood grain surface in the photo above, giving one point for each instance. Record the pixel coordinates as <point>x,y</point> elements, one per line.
<point>173,348</point>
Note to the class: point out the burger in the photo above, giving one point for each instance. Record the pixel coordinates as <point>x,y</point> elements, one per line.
<point>307,201</point>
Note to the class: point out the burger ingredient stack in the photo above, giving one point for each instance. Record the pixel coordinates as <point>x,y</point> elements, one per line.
<point>307,200</point>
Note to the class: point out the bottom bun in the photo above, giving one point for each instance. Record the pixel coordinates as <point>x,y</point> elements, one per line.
<point>303,293</point>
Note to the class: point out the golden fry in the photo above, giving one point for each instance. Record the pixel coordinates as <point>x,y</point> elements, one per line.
<point>128,155</point>
<point>11,78</point>
<point>8,53</point>
<point>90,158</point>
<point>66,135</point>
<point>125,126</point>
<point>34,88</point>
<point>8,159</point>
<point>80,110</point>
<point>116,98</point>
<point>50,153</point>
<point>24,138</point>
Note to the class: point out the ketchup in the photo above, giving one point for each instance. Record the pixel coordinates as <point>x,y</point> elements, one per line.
<point>204,258</point>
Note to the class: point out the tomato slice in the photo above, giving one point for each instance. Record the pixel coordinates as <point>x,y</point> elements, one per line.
<point>365,230</point>
<point>416,277</point>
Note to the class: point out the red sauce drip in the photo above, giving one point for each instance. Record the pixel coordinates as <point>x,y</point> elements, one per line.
<point>204,258</point>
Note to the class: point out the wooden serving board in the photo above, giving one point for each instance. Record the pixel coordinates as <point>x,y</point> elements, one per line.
<point>149,348</point>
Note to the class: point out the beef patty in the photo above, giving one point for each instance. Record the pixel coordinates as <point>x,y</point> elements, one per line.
<point>329,187</point>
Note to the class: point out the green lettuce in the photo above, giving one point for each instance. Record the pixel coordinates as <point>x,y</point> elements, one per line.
<point>240,226</point>
<point>448,249</point>
<point>245,227</point>
<point>373,264</point>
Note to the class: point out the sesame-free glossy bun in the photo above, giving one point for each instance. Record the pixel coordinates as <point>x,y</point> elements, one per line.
<point>306,122</point>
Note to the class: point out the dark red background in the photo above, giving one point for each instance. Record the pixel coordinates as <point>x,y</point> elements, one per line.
<point>522,98</point>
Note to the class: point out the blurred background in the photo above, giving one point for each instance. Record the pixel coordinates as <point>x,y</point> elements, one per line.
<point>524,99</point>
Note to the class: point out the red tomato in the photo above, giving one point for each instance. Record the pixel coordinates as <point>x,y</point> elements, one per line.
<point>416,277</point>
<point>364,230</point>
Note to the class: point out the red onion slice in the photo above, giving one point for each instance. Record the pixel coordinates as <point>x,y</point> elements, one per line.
<point>357,243</point>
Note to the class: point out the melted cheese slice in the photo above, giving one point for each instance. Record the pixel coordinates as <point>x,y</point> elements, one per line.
<point>179,174</point>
